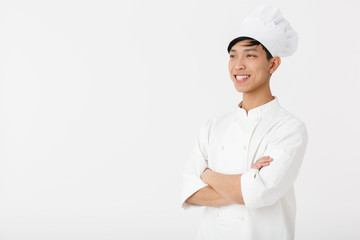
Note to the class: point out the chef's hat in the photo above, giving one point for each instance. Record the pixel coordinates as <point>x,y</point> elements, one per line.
<point>267,25</point>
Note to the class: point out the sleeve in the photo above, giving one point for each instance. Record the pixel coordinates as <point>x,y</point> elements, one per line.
<point>287,147</point>
<point>196,163</point>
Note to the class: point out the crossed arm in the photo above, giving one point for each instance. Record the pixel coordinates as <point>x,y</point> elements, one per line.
<point>222,189</point>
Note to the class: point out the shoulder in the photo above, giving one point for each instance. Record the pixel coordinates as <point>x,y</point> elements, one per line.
<point>287,120</point>
<point>288,127</point>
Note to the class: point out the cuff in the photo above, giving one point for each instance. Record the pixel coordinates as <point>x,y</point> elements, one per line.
<point>248,188</point>
<point>191,184</point>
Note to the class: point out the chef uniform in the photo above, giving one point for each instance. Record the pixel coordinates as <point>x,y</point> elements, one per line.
<point>230,143</point>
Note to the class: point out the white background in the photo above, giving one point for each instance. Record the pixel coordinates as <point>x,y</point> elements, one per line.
<point>101,101</point>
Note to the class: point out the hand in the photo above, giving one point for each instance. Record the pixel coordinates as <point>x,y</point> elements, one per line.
<point>204,174</point>
<point>262,162</point>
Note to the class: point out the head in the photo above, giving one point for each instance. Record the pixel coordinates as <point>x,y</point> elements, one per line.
<point>251,65</point>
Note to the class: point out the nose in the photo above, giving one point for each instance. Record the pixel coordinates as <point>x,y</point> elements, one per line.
<point>239,65</point>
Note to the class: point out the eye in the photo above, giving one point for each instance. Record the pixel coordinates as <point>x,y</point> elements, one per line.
<point>232,56</point>
<point>250,55</point>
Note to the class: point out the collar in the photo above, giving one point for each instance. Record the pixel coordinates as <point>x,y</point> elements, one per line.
<point>258,112</point>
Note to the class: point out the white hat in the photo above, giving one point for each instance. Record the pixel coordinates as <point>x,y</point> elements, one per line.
<point>267,25</point>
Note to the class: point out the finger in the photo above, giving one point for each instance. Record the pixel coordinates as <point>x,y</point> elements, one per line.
<point>260,166</point>
<point>265,164</point>
<point>264,160</point>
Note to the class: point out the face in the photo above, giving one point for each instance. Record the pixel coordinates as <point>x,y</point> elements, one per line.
<point>249,69</point>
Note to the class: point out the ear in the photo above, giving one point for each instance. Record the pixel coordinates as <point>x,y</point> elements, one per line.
<point>275,63</point>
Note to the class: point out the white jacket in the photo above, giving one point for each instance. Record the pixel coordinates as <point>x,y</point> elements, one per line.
<point>229,144</point>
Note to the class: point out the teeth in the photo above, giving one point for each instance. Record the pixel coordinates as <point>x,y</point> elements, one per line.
<point>242,77</point>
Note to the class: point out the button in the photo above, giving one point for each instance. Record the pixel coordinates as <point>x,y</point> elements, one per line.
<point>217,214</point>
<point>256,119</point>
<point>242,218</point>
<point>243,147</point>
<point>222,148</point>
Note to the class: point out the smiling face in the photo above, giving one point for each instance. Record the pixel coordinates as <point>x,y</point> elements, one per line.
<point>249,68</point>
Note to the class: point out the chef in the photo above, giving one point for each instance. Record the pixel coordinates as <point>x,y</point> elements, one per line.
<point>244,162</point>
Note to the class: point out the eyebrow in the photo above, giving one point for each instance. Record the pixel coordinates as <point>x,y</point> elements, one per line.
<point>245,50</point>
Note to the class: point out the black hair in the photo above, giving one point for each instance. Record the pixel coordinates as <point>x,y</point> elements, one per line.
<point>252,42</point>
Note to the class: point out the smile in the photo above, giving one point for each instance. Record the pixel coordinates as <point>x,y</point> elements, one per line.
<point>241,78</point>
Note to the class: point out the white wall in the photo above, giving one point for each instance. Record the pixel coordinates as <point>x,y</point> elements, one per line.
<point>100,103</point>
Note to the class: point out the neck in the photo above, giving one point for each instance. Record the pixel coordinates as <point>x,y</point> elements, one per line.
<point>251,101</point>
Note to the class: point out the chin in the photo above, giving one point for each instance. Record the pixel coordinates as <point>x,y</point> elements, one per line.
<point>240,90</point>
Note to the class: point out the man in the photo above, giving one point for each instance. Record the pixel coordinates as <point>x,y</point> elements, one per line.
<point>245,162</point>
